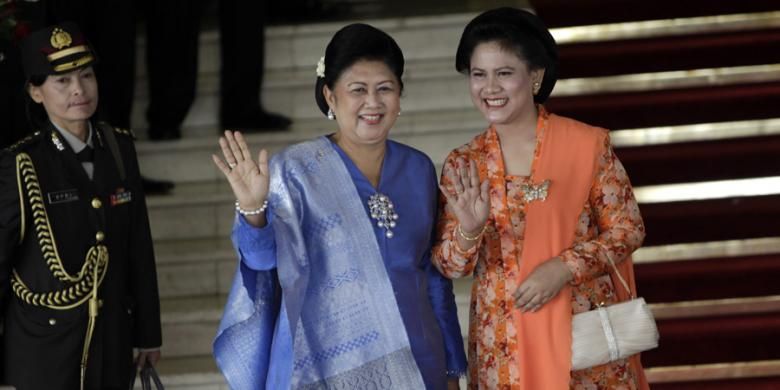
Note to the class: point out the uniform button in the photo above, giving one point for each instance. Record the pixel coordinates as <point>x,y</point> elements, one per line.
<point>52,321</point>
<point>99,236</point>
<point>96,203</point>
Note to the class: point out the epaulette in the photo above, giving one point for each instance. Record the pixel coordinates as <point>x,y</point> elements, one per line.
<point>125,132</point>
<point>24,142</point>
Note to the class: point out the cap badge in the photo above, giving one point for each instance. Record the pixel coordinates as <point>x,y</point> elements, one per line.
<point>60,38</point>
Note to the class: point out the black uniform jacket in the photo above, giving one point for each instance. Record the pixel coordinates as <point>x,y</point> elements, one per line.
<point>43,346</point>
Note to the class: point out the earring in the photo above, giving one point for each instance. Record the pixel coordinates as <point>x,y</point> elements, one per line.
<point>331,114</point>
<point>399,112</point>
<point>536,87</point>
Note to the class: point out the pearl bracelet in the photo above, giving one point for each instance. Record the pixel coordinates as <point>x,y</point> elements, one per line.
<point>257,211</point>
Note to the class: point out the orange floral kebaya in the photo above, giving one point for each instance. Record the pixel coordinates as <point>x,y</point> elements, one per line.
<point>609,220</point>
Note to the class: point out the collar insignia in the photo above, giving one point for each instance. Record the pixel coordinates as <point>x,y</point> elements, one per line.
<point>55,139</point>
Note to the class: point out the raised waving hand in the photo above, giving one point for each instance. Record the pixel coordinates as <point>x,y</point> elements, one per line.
<point>249,179</point>
<point>469,200</point>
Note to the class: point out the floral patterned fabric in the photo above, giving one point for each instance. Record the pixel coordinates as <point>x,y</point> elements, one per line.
<point>610,221</point>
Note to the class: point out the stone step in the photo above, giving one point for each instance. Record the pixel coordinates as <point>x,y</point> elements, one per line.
<point>759,375</point>
<point>681,52</point>
<point>701,218</point>
<point>716,338</point>
<point>205,266</point>
<point>200,373</point>
<point>189,373</point>
<point>429,45</point>
<point>675,106</point>
<point>206,210</point>
<point>709,278</point>
<point>195,267</point>
<point>424,38</point>
<point>189,324</point>
<point>189,159</point>
<point>436,87</point>
<point>435,133</point>
<point>566,13</point>
<point>702,160</point>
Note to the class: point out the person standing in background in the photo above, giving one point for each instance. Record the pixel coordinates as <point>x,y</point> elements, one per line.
<point>172,30</point>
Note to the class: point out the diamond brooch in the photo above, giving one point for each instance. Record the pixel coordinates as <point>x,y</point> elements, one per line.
<point>381,209</point>
<point>533,192</point>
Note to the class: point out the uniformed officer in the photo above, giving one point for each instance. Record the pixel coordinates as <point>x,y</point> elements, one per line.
<point>77,272</point>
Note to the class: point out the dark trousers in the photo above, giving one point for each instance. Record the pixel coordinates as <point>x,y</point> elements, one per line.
<point>242,39</point>
<point>172,30</point>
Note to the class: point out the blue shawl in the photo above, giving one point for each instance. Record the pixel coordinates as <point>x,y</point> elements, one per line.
<point>346,326</point>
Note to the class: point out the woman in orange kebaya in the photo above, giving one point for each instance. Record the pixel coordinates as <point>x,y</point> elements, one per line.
<point>534,206</point>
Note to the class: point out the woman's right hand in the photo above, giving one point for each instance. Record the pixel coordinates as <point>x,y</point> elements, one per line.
<point>467,198</point>
<point>249,179</point>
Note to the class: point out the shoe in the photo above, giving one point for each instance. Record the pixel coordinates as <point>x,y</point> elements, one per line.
<point>258,120</point>
<point>156,187</point>
<point>164,135</point>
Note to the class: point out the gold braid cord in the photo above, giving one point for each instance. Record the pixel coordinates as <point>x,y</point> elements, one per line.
<point>72,296</point>
<point>41,221</point>
<point>83,286</point>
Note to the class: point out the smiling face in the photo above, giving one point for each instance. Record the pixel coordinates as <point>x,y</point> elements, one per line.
<point>366,100</point>
<point>69,98</point>
<point>502,85</point>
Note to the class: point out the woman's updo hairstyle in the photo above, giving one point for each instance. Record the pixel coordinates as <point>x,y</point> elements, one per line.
<point>354,43</point>
<point>517,31</point>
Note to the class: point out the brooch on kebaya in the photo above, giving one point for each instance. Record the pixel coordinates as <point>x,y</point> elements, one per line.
<point>382,210</point>
<point>533,192</point>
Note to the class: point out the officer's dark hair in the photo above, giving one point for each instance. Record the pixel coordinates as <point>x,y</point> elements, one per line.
<point>354,43</point>
<point>36,113</point>
<point>516,31</point>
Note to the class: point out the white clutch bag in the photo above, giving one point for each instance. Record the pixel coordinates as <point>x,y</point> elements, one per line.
<point>613,332</point>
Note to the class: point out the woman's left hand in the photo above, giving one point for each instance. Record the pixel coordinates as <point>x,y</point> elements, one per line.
<point>542,285</point>
<point>453,384</point>
<point>152,357</point>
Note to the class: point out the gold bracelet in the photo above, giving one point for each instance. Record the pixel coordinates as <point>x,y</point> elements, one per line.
<point>472,238</point>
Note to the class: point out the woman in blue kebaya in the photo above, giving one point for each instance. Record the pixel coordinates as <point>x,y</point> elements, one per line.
<point>335,288</point>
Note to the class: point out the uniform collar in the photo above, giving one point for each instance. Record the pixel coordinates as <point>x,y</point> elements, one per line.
<point>75,143</point>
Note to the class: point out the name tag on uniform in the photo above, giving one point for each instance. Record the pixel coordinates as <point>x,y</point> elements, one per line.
<point>63,196</point>
<point>120,197</point>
